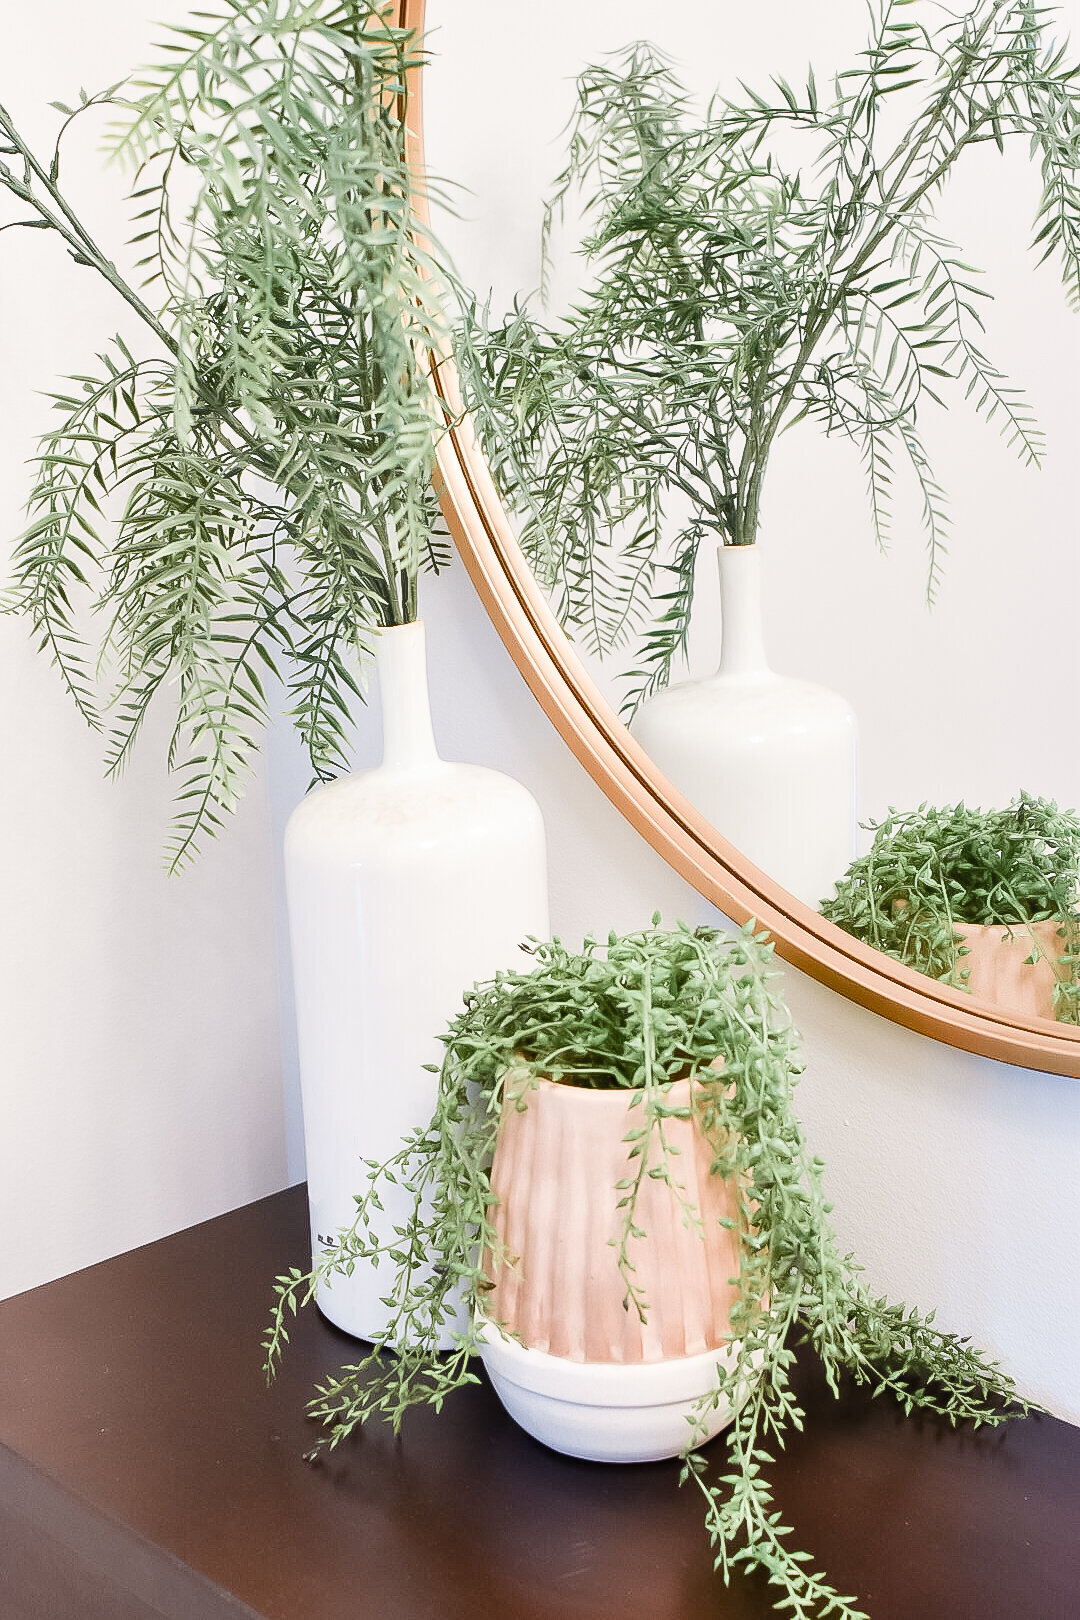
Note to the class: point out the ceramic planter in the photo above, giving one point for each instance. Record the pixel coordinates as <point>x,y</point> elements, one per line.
<point>589,1377</point>
<point>999,970</point>
<point>768,760</point>
<point>406,884</point>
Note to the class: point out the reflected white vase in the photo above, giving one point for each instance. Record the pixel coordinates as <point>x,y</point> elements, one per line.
<point>767,759</point>
<point>406,884</point>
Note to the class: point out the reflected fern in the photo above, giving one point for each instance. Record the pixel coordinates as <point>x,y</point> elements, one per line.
<point>730,294</point>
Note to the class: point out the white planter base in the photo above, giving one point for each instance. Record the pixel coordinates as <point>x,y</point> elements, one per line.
<point>605,1411</point>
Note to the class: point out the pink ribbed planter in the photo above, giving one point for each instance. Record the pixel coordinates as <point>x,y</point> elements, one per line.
<point>571,1363</point>
<point>556,1167</point>
<point>999,971</point>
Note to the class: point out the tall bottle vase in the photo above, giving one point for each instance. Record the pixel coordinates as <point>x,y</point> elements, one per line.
<point>406,884</point>
<point>768,760</point>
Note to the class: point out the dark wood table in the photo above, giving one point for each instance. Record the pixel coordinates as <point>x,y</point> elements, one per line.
<point>146,1471</point>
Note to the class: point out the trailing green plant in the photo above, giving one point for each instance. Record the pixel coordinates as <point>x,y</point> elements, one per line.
<point>251,493</point>
<point>641,1012</point>
<point>732,290</point>
<point>928,869</point>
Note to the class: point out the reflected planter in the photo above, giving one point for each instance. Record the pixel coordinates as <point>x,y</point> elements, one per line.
<point>1000,970</point>
<point>571,1363</point>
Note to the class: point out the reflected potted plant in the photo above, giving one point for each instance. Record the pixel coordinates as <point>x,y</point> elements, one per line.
<point>239,493</point>
<point>986,900</point>
<point>730,291</point>
<point>631,1301</point>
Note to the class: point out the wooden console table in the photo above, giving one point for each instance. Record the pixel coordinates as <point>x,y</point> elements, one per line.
<point>146,1473</point>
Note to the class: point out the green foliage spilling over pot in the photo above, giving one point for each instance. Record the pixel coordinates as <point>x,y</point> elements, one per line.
<point>931,868</point>
<point>734,286</point>
<point>244,485</point>
<point>639,1013</point>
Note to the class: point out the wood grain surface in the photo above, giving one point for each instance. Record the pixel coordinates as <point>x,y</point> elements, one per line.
<point>146,1470</point>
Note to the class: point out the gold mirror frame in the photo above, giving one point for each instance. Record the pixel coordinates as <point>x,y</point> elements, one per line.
<point>593,731</point>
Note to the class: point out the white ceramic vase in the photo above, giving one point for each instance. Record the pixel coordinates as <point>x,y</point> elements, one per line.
<point>768,760</point>
<point>406,884</point>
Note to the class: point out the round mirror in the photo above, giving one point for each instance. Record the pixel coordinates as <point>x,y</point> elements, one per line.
<point>958,701</point>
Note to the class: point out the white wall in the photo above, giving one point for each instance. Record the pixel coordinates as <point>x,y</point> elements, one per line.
<point>140,1019</point>
<point>140,1061</point>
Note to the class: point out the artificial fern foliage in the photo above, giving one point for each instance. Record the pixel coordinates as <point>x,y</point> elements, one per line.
<point>251,495</point>
<point>774,259</point>
<point>641,1011</point>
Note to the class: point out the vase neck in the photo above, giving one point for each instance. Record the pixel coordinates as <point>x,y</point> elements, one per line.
<point>401,661</point>
<point>742,645</point>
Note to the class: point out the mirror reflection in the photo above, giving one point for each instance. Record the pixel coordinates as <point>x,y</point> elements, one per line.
<point>774,516</point>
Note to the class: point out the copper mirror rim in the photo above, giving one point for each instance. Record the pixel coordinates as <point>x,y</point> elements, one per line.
<point>543,654</point>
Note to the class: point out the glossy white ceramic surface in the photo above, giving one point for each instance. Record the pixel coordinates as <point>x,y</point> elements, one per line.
<point>769,760</point>
<point>406,884</point>
<point>607,1411</point>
